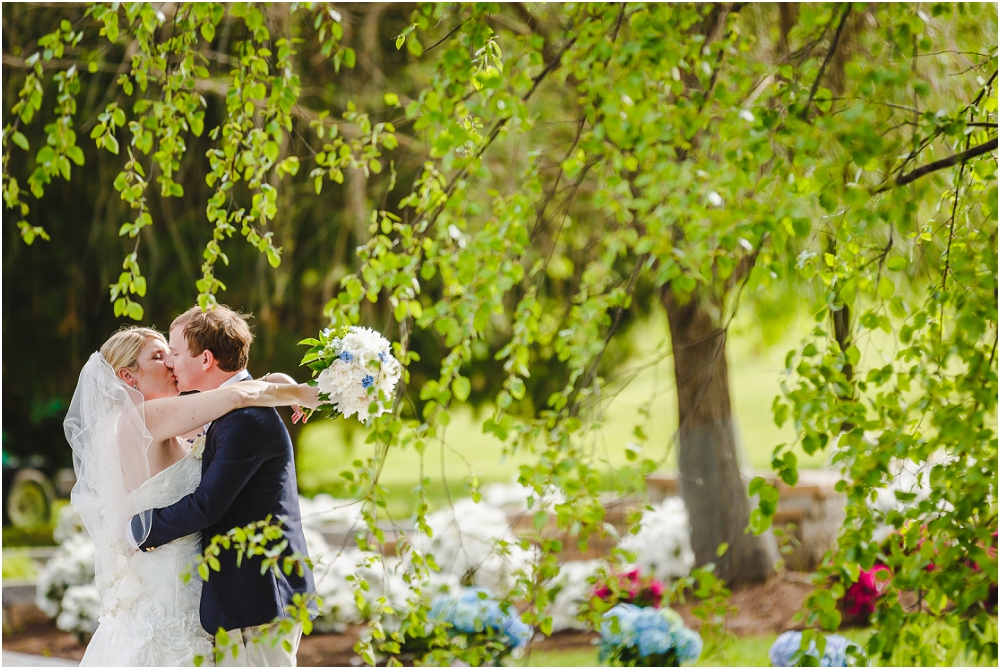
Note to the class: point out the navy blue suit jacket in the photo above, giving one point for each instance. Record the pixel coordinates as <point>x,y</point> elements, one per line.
<point>248,473</point>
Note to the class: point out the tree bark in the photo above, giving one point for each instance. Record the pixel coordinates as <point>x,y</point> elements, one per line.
<point>711,484</point>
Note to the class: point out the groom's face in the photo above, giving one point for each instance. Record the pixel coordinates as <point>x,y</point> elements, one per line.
<point>188,369</point>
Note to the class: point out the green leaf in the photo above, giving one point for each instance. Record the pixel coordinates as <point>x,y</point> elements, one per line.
<point>273,256</point>
<point>111,144</point>
<point>461,387</point>
<point>20,140</point>
<point>516,388</point>
<point>391,99</point>
<point>135,311</point>
<point>208,31</point>
<point>896,263</point>
<point>853,354</point>
<point>75,153</point>
<point>886,288</point>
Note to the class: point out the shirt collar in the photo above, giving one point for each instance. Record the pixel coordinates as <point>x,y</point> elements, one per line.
<point>242,375</point>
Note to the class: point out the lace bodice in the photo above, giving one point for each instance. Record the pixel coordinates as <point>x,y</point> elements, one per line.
<point>149,617</point>
<point>172,483</point>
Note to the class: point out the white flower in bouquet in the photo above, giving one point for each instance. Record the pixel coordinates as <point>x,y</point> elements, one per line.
<point>356,369</point>
<point>663,545</point>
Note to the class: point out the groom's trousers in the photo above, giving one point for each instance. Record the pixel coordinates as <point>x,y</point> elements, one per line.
<point>258,647</point>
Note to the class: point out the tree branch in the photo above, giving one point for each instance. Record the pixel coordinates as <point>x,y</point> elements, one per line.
<point>829,56</point>
<point>950,161</point>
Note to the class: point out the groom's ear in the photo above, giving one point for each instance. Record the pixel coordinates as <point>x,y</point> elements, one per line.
<point>207,360</point>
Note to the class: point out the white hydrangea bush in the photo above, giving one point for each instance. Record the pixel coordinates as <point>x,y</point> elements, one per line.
<point>65,589</point>
<point>336,570</point>
<point>474,543</point>
<point>81,609</point>
<point>327,512</point>
<point>662,545</point>
<point>573,587</point>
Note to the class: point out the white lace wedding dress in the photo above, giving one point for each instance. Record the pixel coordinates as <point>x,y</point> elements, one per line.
<point>149,617</point>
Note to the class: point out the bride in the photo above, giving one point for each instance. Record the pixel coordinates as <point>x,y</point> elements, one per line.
<point>136,447</point>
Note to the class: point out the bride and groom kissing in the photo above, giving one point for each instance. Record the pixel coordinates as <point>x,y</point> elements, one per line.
<point>160,471</point>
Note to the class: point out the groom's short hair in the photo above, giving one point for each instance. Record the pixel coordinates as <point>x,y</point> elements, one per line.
<point>222,331</point>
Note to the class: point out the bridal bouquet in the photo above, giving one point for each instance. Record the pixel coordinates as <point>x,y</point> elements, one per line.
<point>355,371</point>
<point>633,636</point>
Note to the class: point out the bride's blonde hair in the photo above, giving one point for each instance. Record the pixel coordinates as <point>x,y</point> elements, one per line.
<point>122,349</point>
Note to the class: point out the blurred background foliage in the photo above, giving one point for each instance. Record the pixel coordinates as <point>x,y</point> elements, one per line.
<point>57,309</point>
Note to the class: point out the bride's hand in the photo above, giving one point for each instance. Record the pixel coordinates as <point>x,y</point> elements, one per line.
<point>310,401</point>
<point>309,398</point>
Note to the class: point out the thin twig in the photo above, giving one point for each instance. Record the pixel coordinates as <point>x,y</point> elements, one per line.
<point>829,56</point>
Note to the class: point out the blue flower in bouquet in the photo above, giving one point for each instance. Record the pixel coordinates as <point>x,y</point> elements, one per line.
<point>786,645</point>
<point>357,374</point>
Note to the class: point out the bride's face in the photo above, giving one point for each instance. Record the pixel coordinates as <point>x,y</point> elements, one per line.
<point>153,376</point>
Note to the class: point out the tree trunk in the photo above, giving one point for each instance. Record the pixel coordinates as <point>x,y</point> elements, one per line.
<point>710,481</point>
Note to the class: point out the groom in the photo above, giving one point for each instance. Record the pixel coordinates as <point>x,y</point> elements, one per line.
<point>248,473</point>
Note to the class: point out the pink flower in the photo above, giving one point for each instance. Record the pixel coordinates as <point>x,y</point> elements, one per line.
<point>860,597</point>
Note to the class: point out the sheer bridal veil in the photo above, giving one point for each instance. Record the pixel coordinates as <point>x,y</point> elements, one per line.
<point>107,431</point>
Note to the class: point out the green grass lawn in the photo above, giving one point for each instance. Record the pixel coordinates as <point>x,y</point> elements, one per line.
<point>326,449</point>
<point>18,566</point>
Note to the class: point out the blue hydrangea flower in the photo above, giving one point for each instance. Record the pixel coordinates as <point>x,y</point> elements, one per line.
<point>786,645</point>
<point>367,381</point>
<point>471,613</point>
<point>518,632</point>
<point>654,641</point>
<point>382,357</point>
<point>653,633</point>
<point>346,356</point>
<point>687,644</point>
<point>626,615</point>
<point>672,617</point>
